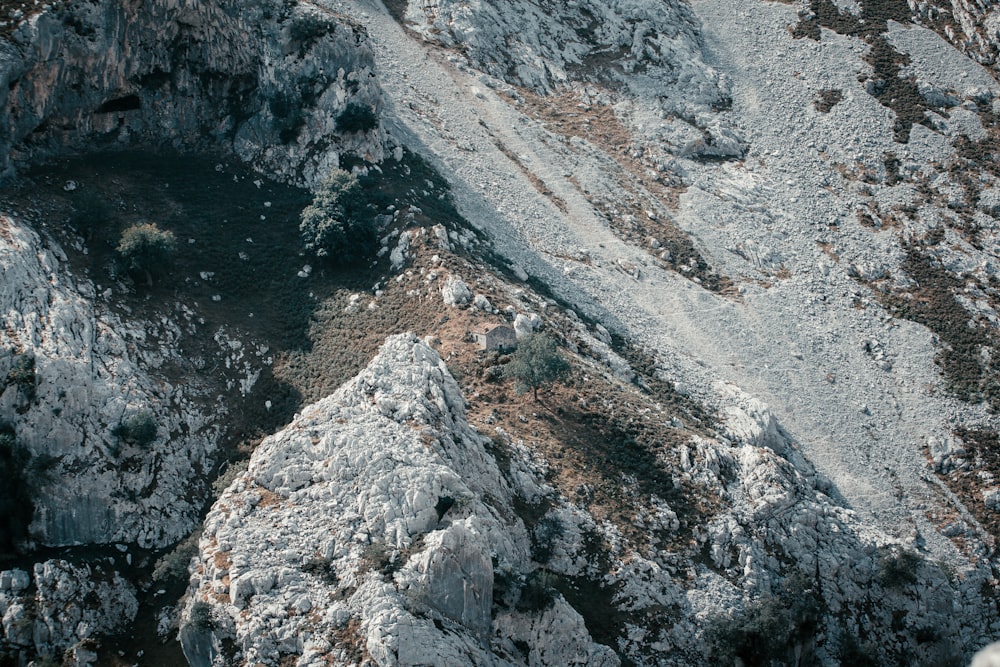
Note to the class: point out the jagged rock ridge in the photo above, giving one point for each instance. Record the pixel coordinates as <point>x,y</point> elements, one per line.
<point>378,526</point>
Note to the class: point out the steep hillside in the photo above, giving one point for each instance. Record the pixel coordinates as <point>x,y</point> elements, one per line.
<point>763,234</point>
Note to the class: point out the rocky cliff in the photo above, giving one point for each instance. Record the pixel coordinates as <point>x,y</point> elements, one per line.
<point>380,528</point>
<point>764,233</point>
<point>270,81</point>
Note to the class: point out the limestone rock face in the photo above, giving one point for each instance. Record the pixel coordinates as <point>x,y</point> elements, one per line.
<point>90,374</point>
<point>371,523</point>
<point>379,525</point>
<point>268,80</point>
<point>67,604</point>
<point>543,45</point>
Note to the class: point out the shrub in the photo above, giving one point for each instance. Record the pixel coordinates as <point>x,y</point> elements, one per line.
<point>336,224</point>
<point>201,616</point>
<point>145,250</point>
<point>22,374</point>
<point>16,508</point>
<point>539,591</point>
<point>898,568</point>
<point>768,629</point>
<point>89,211</point>
<point>138,429</point>
<point>544,537</point>
<point>536,363</point>
<point>357,118</point>
<point>173,565</point>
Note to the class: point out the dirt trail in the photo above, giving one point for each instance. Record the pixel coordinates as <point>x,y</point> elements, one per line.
<point>798,345</point>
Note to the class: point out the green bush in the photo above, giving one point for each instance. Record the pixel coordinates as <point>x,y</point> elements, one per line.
<point>22,375</point>
<point>138,429</point>
<point>544,537</point>
<point>201,616</point>
<point>336,224</point>
<point>897,567</point>
<point>536,363</point>
<point>173,565</point>
<point>145,250</point>
<point>357,118</point>
<point>90,211</point>
<point>539,592</point>
<point>767,630</point>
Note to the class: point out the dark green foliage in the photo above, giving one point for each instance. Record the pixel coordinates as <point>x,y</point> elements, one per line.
<point>322,568</point>
<point>544,537</point>
<point>201,616</point>
<point>16,508</point>
<point>357,118</point>
<point>145,250</point>
<point>138,429</point>
<point>173,565</point>
<point>768,629</point>
<point>336,224</point>
<point>898,568</point>
<point>536,363</point>
<point>969,375</point>
<point>539,592</point>
<point>90,210</point>
<point>22,374</point>
<point>858,654</point>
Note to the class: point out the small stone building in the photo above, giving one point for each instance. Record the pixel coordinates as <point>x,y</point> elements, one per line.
<point>495,336</point>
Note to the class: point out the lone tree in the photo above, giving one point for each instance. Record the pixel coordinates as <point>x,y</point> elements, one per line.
<point>145,250</point>
<point>536,363</point>
<point>336,224</point>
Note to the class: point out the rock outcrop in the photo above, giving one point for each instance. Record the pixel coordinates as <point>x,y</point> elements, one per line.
<point>62,605</point>
<point>288,87</point>
<point>89,373</point>
<point>380,525</point>
<point>372,525</point>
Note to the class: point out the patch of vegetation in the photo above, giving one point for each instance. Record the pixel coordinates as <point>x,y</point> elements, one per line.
<point>90,211</point>
<point>894,92</point>
<point>769,629</point>
<point>858,654</point>
<point>982,448</point>
<point>337,224</point>
<point>828,98</point>
<point>536,363</point>
<point>172,567</point>
<point>233,470</point>
<point>546,533</point>
<point>145,250</point>
<point>897,568</point>
<point>969,373</point>
<point>16,506</point>
<point>201,616</point>
<point>357,118</point>
<point>322,568</point>
<point>137,429</point>
<point>23,376</point>
<point>538,592</point>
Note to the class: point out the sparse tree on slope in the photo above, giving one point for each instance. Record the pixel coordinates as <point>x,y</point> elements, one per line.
<point>145,249</point>
<point>536,363</point>
<point>335,224</point>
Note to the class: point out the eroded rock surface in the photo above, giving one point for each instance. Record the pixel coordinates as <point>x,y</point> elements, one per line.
<point>268,80</point>
<point>62,604</point>
<point>379,524</point>
<point>91,372</point>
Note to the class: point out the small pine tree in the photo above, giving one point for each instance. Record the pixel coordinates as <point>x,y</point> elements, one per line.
<point>536,363</point>
<point>335,224</point>
<point>139,428</point>
<point>145,249</point>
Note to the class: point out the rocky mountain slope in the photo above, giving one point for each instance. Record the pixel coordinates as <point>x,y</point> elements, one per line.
<point>763,233</point>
